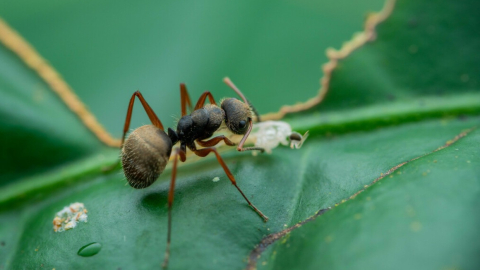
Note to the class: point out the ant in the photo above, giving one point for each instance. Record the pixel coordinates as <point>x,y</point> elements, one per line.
<point>147,150</point>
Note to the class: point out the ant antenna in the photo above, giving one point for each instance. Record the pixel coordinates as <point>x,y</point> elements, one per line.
<point>230,83</point>
<point>227,81</point>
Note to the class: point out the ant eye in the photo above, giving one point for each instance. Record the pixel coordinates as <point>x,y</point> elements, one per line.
<point>242,124</point>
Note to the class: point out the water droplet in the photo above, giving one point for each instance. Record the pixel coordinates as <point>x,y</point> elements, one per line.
<point>90,249</point>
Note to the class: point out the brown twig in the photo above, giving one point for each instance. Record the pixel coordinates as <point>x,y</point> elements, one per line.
<point>13,41</point>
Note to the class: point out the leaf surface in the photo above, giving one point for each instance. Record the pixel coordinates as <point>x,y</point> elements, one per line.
<point>422,215</point>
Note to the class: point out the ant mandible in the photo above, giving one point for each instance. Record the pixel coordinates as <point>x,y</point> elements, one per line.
<point>147,150</point>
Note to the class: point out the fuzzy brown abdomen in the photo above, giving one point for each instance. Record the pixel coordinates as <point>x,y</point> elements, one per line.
<point>145,154</point>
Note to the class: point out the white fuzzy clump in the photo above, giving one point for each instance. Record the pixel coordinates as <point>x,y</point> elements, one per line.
<point>270,134</point>
<point>69,217</point>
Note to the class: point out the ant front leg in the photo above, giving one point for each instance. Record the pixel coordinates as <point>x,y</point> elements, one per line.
<point>178,153</point>
<point>151,114</point>
<point>242,142</point>
<point>204,152</point>
<point>214,141</point>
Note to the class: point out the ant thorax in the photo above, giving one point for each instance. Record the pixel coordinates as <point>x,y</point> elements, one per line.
<point>200,124</point>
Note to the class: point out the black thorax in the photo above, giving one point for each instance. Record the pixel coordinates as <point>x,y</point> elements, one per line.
<point>199,125</point>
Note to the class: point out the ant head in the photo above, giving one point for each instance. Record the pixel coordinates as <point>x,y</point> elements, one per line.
<point>237,115</point>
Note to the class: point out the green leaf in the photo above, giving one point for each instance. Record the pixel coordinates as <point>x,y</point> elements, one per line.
<point>422,216</point>
<point>422,65</point>
<point>358,134</point>
<point>212,223</point>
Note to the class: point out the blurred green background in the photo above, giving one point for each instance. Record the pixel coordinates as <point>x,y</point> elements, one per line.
<point>105,50</point>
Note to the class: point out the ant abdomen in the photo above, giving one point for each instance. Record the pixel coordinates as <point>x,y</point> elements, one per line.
<point>145,154</point>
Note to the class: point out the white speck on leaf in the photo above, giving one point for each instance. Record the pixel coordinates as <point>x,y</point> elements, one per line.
<point>69,217</point>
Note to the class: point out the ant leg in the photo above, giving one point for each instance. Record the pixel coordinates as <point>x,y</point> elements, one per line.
<point>202,99</point>
<point>184,99</point>
<point>151,114</point>
<point>242,142</point>
<point>214,141</point>
<point>228,82</point>
<point>204,152</point>
<point>178,153</point>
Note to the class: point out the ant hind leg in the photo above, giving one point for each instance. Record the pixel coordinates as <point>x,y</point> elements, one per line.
<point>177,154</point>
<point>151,114</point>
